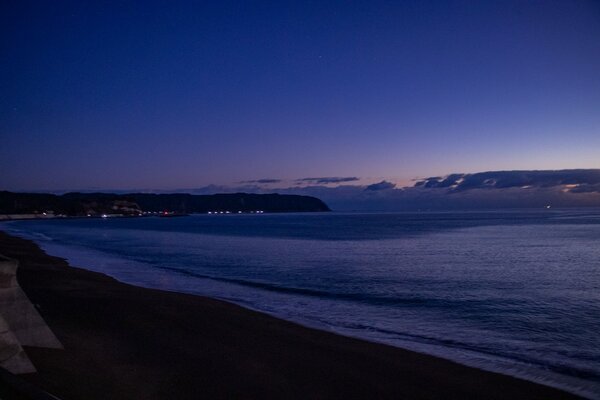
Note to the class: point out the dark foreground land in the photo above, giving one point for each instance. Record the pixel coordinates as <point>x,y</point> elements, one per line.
<point>126,342</point>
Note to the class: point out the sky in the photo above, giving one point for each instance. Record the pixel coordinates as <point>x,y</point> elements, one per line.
<point>171,95</point>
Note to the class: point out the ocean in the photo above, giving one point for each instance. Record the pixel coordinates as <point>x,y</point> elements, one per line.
<point>516,292</point>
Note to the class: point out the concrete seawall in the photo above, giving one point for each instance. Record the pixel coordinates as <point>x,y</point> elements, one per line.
<point>20,323</point>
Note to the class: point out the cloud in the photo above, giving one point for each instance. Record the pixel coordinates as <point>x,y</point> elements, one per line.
<point>571,179</point>
<point>383,185</point>
<point>328,179</point>
<point>262,181</point>
<point>584,188</point>
<point>484,190</point>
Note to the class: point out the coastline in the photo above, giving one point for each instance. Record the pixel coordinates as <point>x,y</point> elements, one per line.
<point>123,341</point>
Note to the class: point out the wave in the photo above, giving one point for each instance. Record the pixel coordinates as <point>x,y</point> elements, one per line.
<point>358,297</point>
<point>418,338</point>
<point>449,343</point>
<point>27,234</point>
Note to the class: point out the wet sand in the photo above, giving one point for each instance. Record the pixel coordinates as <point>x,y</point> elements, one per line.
<point>126,342</point>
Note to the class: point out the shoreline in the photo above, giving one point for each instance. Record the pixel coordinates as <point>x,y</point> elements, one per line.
<point>147,343</point>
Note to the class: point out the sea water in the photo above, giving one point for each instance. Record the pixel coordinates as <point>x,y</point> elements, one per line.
<point>514,292</point>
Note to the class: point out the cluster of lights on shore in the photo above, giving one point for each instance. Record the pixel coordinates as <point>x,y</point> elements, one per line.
<point>239,212</point>
<point>172,213</point>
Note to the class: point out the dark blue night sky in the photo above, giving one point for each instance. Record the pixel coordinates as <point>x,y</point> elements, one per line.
<point>169,95</point>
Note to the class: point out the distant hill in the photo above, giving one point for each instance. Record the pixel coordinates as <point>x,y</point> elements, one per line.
<point>74,204</point>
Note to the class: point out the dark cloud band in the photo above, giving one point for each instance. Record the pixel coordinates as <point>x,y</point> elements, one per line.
<point>328,179</point>
<point>575,180</point>
<point>263,181</point>
<point>383,185</point>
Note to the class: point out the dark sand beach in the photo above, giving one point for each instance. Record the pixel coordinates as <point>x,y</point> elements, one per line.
<point>127,342</point>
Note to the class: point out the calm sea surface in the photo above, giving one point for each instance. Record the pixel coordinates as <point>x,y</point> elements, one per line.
<point>515,292</point>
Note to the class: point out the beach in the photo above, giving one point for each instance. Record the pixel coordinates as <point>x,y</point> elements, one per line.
<point>123,342</point>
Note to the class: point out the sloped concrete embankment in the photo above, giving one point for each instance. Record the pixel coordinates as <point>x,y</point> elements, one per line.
<point>20,323</point>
